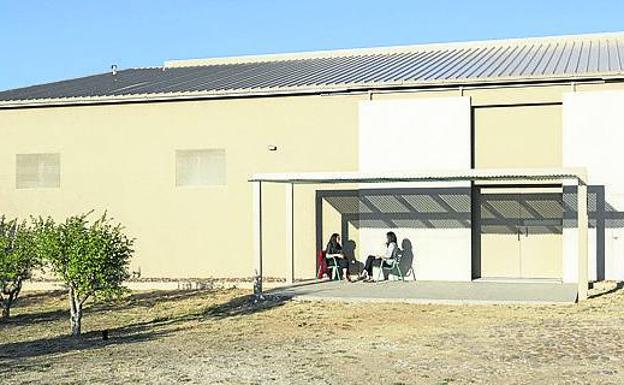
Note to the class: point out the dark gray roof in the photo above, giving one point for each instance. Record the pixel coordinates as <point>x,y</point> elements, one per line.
<point>549,58</point>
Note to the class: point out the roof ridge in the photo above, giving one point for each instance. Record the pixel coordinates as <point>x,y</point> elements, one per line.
<point>286,56</point>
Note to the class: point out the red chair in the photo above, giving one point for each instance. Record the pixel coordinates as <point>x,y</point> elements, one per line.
<point>321,262</point>
<point>332,271</point>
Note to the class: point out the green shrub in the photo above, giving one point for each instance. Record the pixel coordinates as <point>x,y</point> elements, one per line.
<point>91,258</point>
<point>18,259</point>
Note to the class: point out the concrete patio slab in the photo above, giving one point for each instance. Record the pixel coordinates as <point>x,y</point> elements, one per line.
<point>478,292</point>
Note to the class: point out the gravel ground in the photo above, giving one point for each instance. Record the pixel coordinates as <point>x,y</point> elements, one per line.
<point>221,337</point>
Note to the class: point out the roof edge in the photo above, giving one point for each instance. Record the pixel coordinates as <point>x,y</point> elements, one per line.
<point>299,91</point>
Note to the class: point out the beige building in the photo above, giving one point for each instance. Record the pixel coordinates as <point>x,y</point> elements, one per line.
<point>168,151</point>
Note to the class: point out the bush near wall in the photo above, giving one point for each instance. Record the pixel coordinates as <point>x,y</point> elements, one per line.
<point>18,260</point>
<point>90,257</point>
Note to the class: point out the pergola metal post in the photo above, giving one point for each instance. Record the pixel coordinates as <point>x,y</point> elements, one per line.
<point>290,232</point>
<point>575,236</point>
<point>582,225</point>
<point>257,236</point>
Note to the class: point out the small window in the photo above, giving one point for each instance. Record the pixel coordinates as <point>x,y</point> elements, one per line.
<point>200,167</point>
<point>38,171</point>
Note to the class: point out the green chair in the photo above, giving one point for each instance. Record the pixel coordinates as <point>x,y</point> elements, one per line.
<point>335,270</point>
<point>390,265</point>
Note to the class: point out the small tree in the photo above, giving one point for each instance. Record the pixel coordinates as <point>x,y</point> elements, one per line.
<point>17,261</point>
<point>90,258</point>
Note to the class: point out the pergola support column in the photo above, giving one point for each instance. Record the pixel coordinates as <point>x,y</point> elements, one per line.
<point>575,235</point>
<point>583,223</point>
<point>257,237</point>
<point>290,233</point>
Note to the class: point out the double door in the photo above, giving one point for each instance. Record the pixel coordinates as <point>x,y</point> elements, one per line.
<point>521,232</point>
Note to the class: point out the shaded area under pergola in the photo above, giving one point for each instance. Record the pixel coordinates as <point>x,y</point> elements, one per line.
<point>541,212</point>
<point>568,178</point>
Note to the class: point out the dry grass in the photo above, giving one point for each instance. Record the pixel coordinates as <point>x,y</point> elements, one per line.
<point>204,337</point>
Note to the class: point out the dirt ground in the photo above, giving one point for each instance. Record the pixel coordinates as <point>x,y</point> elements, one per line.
<point>220,337</point>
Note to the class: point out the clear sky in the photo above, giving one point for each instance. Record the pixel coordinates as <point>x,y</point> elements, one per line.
<point>42,41</point>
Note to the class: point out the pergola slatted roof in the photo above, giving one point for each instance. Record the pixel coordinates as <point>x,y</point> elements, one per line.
<point>423,176</point>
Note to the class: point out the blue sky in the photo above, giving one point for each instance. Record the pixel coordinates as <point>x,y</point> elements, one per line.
<point>43,41</point>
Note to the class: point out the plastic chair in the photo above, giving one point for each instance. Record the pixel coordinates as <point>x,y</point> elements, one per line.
<point>389,265</point>
<point>332,271</point>
<point>335,270</point>
<point>322,265</point>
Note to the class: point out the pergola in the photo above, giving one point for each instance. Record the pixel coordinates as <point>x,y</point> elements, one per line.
<point>568,177</point>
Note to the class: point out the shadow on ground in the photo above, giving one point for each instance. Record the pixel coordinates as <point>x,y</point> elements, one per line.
<point>31,300</point>
<point>150,298</point>
<point>25,319</point>
<point>618,286</point>
<point>35,298</point>
<point>11,354</point>
<point>135,300</point>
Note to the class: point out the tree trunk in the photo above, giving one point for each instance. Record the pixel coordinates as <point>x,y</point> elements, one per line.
<point>75,317</point>
<point>75,325</point>
<point>7,302</point>
<point>6,311</point>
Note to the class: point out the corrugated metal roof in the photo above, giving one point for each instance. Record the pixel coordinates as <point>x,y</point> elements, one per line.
<point>548,58</point>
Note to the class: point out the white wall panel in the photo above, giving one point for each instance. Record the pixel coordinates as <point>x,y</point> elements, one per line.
<point>418,134</point>
<point>593,137</point>
<point>414,134</point>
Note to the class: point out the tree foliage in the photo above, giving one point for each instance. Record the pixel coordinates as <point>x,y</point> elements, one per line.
<point>91,258</point>
<point>18,259</point>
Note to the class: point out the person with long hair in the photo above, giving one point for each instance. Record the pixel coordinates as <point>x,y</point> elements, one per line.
<point>392,248</point>
<point>335,256</point>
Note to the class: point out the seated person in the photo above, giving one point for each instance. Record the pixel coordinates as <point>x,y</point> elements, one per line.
<point>335,255</point>
<point>391,253</point>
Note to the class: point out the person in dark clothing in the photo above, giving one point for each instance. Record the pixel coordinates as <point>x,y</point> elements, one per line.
<point>392,249</point>
<point>335,255</point>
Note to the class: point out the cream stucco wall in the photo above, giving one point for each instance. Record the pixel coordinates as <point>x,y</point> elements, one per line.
<point>516,137</point>
<point>120,158</point>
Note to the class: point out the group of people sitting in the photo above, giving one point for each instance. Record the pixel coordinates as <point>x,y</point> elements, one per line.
<point>335,256</point>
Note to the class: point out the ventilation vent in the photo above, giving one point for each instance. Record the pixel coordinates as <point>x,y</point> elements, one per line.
<point>200,167</point>
<point>38,171</point>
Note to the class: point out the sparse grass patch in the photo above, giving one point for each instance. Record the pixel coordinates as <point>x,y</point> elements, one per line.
<point>221,336</point>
